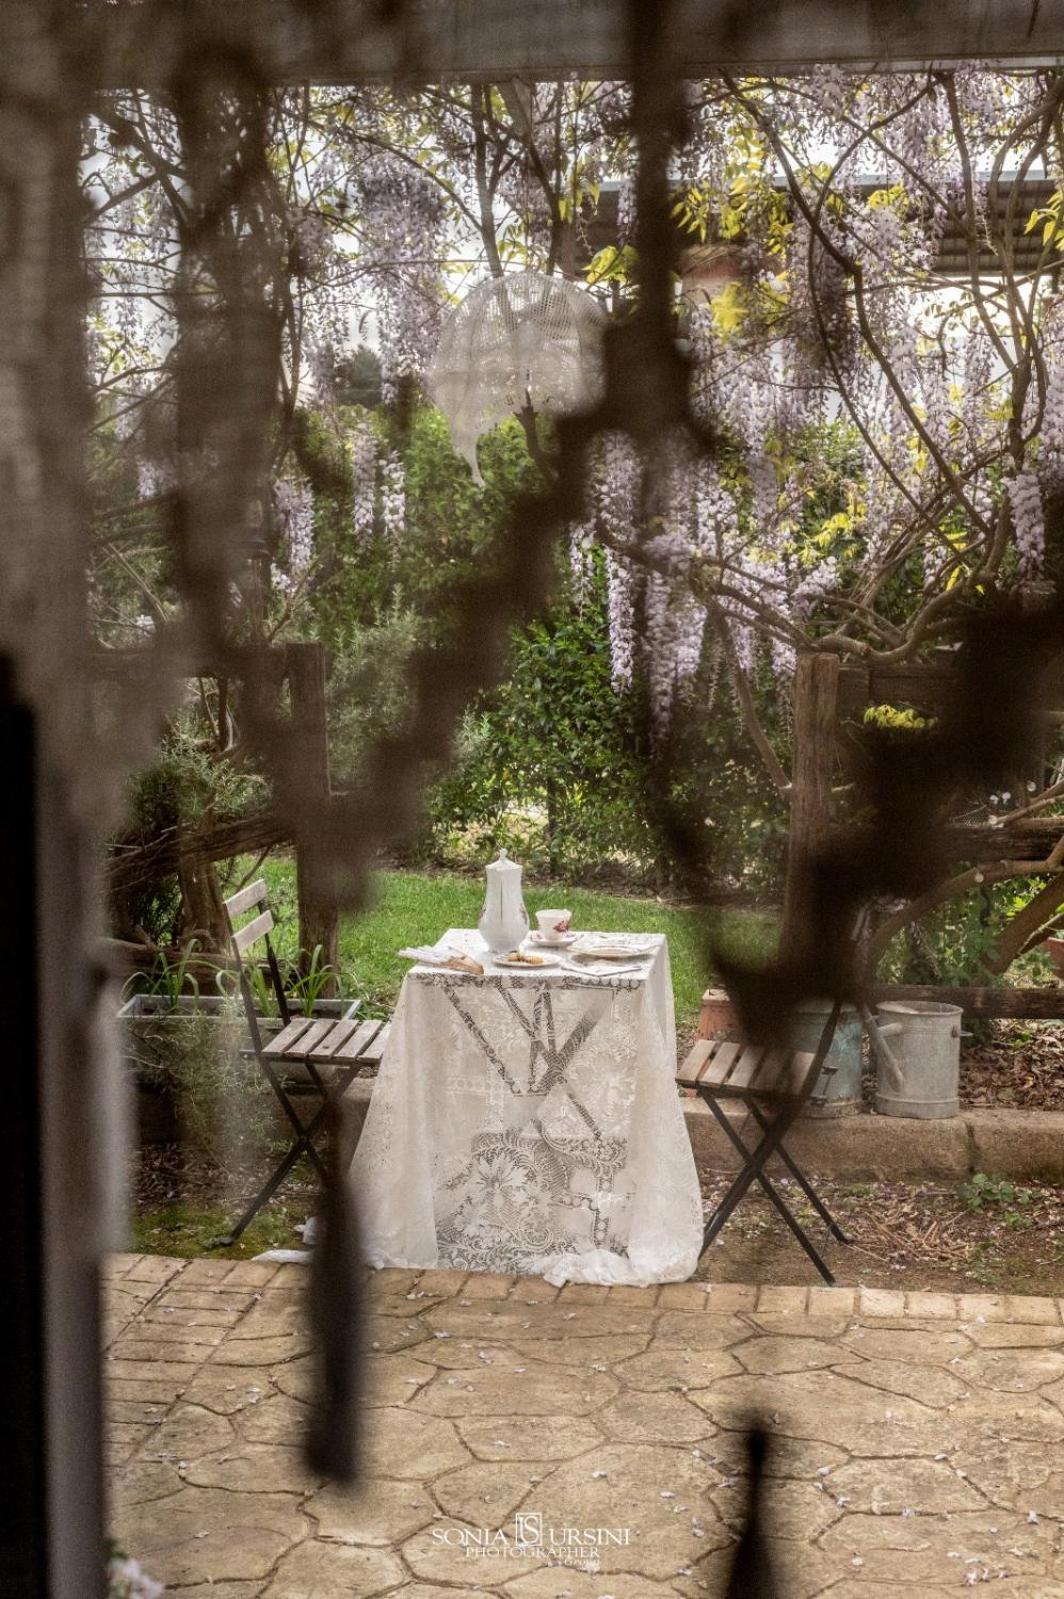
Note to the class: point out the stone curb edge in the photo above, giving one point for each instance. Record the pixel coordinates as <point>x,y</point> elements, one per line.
<point>719,1298</point>
<point>1025,1145</point>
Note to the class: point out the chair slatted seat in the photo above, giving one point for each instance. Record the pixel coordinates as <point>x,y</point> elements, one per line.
<point>329,1052</point>
<point>361,1044</point>
<point>732,1070</point>
<point>327,1048</point>
<point>762,1080</point>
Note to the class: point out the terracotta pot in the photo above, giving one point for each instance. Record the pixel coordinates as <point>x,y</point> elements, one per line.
<point>1055,947</point>
<point>718,1014</point>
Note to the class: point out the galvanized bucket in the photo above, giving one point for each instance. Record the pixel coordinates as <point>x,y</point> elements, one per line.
<point>925,1049</point>
<point>838,1091</point>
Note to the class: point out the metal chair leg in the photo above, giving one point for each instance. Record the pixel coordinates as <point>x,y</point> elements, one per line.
<point>302,1145</point>
<point>799,1231</point>
<point>752,1170</point>
<point>750,1173</point>
<point>803,1182</point>
<point>262,1198</point>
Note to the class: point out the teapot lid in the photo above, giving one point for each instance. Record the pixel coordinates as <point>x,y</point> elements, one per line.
<point>503,864</point>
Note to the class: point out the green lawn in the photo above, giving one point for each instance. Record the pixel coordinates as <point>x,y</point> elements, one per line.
<point>416,908</point>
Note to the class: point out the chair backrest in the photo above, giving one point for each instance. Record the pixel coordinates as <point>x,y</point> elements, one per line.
<point>253,899</point>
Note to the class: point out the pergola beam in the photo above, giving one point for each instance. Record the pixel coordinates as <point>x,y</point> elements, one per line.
<point>344,41</point>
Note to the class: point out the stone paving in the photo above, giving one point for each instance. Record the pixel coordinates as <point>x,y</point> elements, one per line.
<point>917,1438</point>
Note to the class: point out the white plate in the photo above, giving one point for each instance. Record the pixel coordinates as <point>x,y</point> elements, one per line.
<point>553,943</point>
<point>542,961</point>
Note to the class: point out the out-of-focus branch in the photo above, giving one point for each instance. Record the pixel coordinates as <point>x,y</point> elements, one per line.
<point>747,708</point>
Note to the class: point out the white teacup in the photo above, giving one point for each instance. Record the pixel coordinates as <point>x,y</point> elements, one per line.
<point>553,925</point>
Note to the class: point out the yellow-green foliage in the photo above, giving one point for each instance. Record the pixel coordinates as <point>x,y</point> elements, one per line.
<point>891,716</point>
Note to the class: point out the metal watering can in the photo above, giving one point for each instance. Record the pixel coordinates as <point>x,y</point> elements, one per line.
<point>918,1073</point>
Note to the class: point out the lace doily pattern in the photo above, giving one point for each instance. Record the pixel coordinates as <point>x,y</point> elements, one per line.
<point>529,1123</point>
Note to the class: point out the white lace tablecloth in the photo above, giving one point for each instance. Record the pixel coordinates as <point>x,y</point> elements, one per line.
<point>529,1122</point>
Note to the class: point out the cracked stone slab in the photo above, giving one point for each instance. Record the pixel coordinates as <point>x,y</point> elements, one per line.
<point>334,1571</point>
<point>526,1438</point>
<point>461,1354</point>
<point>923,1549</point>
<point>412,1303</point>
<point>203,1316</point>
<point>266,1320</point>
<point>510,1319</point>
<point>671,1366</point>
<point>797,1326</point>
<point>620,1487</point>
<point>488,1492</point>
<point>385,1333</point>
<point>891,1487</point>
<point>935,1348</point>
<point>661,1418</point>
<point>255,1468</point>
<point>1015,1335</point>
<point>1013,1370</point>
<point>190,1431</point>
<point>787,1457</point>
<point>208,1535</point>
<point>426,1590</point>
<point>853,1588</point>
<point>541,1390</point>
<point>1015,1417</point>
<point>382,1511</point>
<point>933,1386</point>
<point>208,1299</point>
<point>189,1335</point>
<point>163,1357</point>
<point>223,1590</point>
<point>277,1419</point>
<point>393,1379</point>
<point>142,1481</point>
<point>583,1351</point>
<point>554,1582</point>
<point>799,1568</point>
<point>407,1443</point>
<point>436,1555</point>
<point>1007,1473</point>
<point>227,1391</point>
<point>262,1351</point>
<point>821,1404</point>
<point>772,1356</point>
<point>794,1510</point>
<point>700,1331</point>
<point>390,1379</point>
<point>1045,1498</point>
<point>149,1411</point>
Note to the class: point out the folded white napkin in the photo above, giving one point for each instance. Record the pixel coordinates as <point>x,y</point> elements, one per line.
<point>430,954</point>
<point>442,955</point>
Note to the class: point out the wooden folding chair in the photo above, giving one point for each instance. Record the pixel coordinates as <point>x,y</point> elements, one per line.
<point>335,1048</point>
<point>774,1086</point>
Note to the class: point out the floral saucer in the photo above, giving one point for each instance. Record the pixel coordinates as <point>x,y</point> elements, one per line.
<point>563,942</point>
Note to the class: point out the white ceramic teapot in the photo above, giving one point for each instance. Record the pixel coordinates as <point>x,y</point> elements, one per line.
<point>504,920</point>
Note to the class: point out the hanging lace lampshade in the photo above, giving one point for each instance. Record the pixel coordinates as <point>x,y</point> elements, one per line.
<point>514,339</point>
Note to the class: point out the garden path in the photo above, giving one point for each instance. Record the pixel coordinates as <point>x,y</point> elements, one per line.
<point>917,1437</point>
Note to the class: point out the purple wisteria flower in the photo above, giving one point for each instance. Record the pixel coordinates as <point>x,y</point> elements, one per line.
<point>1025,502</point>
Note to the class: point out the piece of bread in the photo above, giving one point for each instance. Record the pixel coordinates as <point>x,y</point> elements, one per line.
<point>465,963</point>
